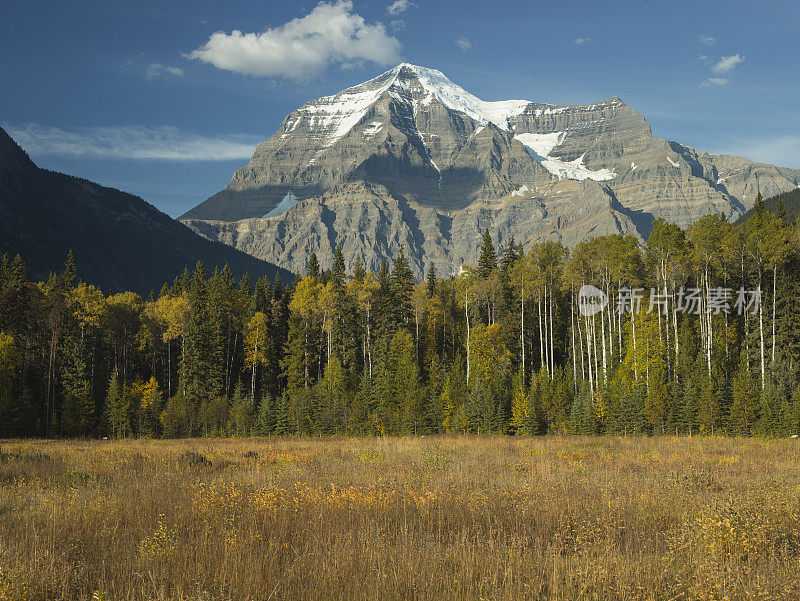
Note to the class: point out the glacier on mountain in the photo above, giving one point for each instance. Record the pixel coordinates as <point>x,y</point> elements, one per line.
<point>539,146</point>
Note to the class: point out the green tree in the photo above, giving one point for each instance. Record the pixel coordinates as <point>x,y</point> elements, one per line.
<point>9,359</point>
<point>488,257</point>
<point>117,412</point>
<point>744,408</point>
<point>240,419</point>
<point>402,286</point>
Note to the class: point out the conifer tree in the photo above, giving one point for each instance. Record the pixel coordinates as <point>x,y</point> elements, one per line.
<point>488,257</point>
<point>402,286</point>
<point>744,407</point>
<point>430,282</point>
<point>312,269</point>
<point>9,408</point>
<point>358,269</point>
<point>117,408</point>
<point>265,419</point>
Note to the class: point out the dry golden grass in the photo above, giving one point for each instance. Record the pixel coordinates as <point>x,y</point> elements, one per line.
<point>401,518</point>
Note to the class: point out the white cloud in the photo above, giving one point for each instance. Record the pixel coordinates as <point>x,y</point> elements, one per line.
<point>132,142</point>
<point>723,66</point>
<point>727,63</point>
<point>303,47</point>
<point>159,71</point>
<point>706,40</point>
<point>463,44</point>
<point>715,81</point>
<point>397,24</point>
<point>399,6</point>
<point>583,41</point>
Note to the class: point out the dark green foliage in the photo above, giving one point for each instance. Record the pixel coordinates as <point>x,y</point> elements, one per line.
<point>786,205</point>
<point>488,257</point>
<point>118,241</point>
<point>361,353</point>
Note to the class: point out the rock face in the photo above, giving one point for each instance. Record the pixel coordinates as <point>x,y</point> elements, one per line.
<point>119,241</point>
<point>411,159</point>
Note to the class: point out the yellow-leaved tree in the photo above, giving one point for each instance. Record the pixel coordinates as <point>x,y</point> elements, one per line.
<point>304,304</point>
<point>172,312</point>
<point>256,352</point>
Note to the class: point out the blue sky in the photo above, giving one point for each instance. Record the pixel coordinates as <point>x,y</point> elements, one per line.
<point>163,100</point>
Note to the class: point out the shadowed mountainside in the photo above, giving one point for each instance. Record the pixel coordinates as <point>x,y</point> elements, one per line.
<point>120,242</point>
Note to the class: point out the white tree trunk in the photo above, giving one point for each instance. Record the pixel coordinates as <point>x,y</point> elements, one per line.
<point>466,314</point>
<point>522,326</point>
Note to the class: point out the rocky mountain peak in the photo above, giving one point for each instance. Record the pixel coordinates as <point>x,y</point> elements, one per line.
<point>411,158</point>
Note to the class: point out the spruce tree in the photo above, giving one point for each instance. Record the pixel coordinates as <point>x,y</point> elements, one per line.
<point>338,272</point>
<point>780,210</point>
<point>358,270</point>
<point>117,409</point>
<point>744,407</point>
<point>402,285</point>
<point>265,418</point>
<point>488,257</point>
<point>312,269</point>
<point>509,257</point>
<point>430,282</point>
<point>758,206</point>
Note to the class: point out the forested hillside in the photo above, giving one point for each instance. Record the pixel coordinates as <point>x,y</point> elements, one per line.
<point>787,205</point>
<point>120,241</point>
<point>502,347</point>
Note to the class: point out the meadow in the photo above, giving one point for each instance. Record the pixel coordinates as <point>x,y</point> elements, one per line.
<point>400,518</point>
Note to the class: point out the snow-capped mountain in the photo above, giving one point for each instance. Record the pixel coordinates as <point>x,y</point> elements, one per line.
<point>410,158</point>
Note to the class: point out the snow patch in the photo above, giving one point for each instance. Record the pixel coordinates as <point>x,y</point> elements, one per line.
<point>331,117</point>
<point>539,146</point>
<point>284,205</point>
<point>673,163</point>
<point>290,127</point>
<point>373,128</point>
<point>633,166</point>
<point>457,98</point>
<point>521,190</point>
<point>337,115</point>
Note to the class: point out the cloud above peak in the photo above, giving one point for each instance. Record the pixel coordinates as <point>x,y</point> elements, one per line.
<point>724,66</point>
<point>159,71</point>
<point>304,47</point>
<point>399,6</point>
<point>706,40</point>
<point>463,44</point>
<point>727,63</point>
<point>715,81</point>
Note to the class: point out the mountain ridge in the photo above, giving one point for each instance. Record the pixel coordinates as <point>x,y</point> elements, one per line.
<point>437,151</point>
<point>120,242</point>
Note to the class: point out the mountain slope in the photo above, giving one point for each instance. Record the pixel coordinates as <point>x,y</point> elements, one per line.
<point>445,164</point>
<point>120,242</point>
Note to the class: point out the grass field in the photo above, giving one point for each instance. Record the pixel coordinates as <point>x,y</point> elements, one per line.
<point>401,518</point>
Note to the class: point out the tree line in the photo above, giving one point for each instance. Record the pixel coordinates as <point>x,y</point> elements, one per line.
<point>701,334</point>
